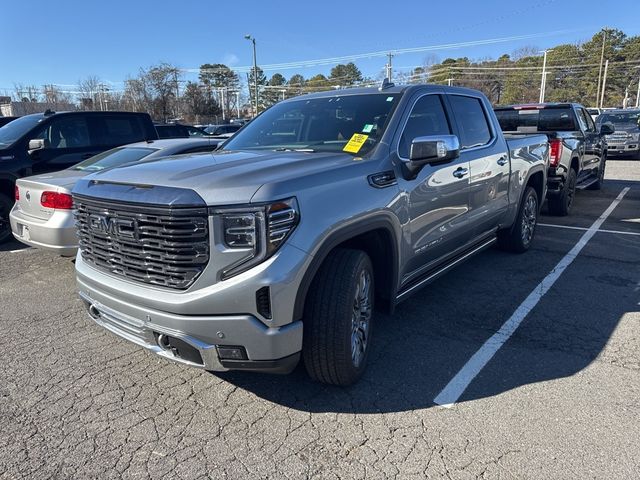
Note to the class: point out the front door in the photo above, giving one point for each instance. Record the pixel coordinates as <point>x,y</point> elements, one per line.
<point>438,198</point>
<point>66,142</point>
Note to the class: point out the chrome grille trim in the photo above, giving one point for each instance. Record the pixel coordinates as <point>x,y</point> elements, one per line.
<point>159,246</point>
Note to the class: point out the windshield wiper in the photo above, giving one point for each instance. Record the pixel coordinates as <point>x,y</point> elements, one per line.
<point>285,149</point>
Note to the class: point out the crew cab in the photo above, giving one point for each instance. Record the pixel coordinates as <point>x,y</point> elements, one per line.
<point>324,210</point>
<point>578,148</point>
<point>50,141</point>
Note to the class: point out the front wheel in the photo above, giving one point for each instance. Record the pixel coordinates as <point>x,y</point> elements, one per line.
<point>5,226</point>
<point>597,185</point>
<point>338,318</point>
<point>518,239</point>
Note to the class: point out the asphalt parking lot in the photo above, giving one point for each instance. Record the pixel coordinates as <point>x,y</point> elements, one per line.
<point>560,398</point>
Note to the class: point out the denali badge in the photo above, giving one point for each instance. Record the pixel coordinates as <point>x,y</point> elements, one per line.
<point>122,227</point>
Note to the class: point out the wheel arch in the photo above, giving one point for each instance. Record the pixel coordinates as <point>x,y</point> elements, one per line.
<point>377,238</point>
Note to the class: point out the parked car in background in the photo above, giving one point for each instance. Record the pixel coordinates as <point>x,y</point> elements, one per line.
<point>578,148</point>
<point>374,195</point>
<point>42,215</point>
<point>625,140</point>
<point>50,141</point>
<point>176,130</point>
<point>594,112</point>
<point>5,120</point>
<point>222,129</point>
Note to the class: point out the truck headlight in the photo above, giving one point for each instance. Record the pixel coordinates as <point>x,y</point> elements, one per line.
<point>252,234</point>
<point>634,137</point>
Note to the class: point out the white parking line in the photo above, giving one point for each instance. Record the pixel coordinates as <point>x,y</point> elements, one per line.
<point>585,229</point>
<point>458,384</point>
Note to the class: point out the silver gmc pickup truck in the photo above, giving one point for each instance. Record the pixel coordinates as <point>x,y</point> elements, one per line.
<point>285,242</point>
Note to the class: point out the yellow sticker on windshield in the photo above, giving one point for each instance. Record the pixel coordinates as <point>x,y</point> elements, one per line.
<point>355,143</point>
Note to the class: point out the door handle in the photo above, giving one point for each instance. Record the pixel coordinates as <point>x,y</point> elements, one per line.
<point>502,161</point>
<point>460,172</point>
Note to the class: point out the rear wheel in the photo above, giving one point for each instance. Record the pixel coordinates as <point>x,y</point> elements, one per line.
<point>561,204</point>
<point>5,227</point>
<point>338,318</point>
<point>518,239</point>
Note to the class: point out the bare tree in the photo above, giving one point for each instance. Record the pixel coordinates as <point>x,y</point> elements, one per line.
<point>89,91</point>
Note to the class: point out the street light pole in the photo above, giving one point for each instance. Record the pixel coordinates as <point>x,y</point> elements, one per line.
<point>255,74</point>
<point>604,82</point>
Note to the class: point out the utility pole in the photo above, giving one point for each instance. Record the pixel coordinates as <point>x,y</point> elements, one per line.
<point>604,39</point>
<point>222,103</point>
<point>604,82</point>
<point>449,81</point>
<point>238,103</point>
<point>543,80</point>
<point>388,66</point>
<point>255,74</point>
<point>638,94</point>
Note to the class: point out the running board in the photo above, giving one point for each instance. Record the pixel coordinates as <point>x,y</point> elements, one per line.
<point>430,277</point>
<point>587,183</point>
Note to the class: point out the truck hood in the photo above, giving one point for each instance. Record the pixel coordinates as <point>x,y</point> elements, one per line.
<point>227,177</point>
<point>626,127</point>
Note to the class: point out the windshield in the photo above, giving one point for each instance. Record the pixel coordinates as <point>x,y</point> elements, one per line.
<point>350,123</point>
<point>536,120</point>
<point>113,158</point>
<point>12,131</point>
<point>620,118</point>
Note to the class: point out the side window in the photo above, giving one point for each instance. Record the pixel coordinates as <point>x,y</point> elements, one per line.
<point>427,118</point>
<point>121,129</point>
<point>581,120</point>
<point>472,120</point>
<point>590,125</point>
<point>66,132</point>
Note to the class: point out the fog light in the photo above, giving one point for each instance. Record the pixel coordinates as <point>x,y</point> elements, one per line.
<point>231,353</point>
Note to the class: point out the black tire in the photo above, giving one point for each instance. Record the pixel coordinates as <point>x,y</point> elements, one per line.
<point>5,227</point>
<point>518,239</point>
<point>597,185</point>
<point>561,204</point>
<point>329,327</point>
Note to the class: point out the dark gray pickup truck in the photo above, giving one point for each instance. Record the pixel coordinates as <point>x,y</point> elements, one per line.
<point>284,243</point>
<point>578,150</point>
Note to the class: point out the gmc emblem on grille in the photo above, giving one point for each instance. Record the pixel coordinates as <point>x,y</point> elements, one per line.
<point>121,227</point>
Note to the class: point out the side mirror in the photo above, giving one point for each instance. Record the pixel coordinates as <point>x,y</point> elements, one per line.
<point>36,144</point>
<point>607,128</point>
<point>431,149</point>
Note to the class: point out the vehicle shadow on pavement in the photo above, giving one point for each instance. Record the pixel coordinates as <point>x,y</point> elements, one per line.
<point>13,244</point>
<point>432,335</point>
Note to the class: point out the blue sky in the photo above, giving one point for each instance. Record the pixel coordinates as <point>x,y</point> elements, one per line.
<point>63,41</point>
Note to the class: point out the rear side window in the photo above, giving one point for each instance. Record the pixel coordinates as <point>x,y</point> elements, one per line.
<point>472,121</point>
<point>427,118</point>
<point>120,130</point>
<point>536,120</point>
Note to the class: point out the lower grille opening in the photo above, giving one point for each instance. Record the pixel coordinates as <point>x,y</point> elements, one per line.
<point>179,348</point>
<point>263,302</point>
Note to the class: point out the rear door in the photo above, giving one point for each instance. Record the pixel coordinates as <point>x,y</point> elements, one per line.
<point>67,141</point>
<point>115,129</point>
<point>486,152</point>
<point>438,196</point>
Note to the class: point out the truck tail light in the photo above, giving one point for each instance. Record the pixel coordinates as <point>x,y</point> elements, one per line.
<point>61,201</point>
<point>17,193</point>
<point>555,152</point>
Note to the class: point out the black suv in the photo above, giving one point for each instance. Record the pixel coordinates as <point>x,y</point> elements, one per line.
<point>45,142</point>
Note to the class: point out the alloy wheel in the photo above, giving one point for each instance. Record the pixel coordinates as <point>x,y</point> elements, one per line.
<point>361,318</point>
<point>529,219</point>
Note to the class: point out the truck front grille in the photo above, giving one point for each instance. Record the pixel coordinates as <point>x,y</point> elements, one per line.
<point>158,246</point>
